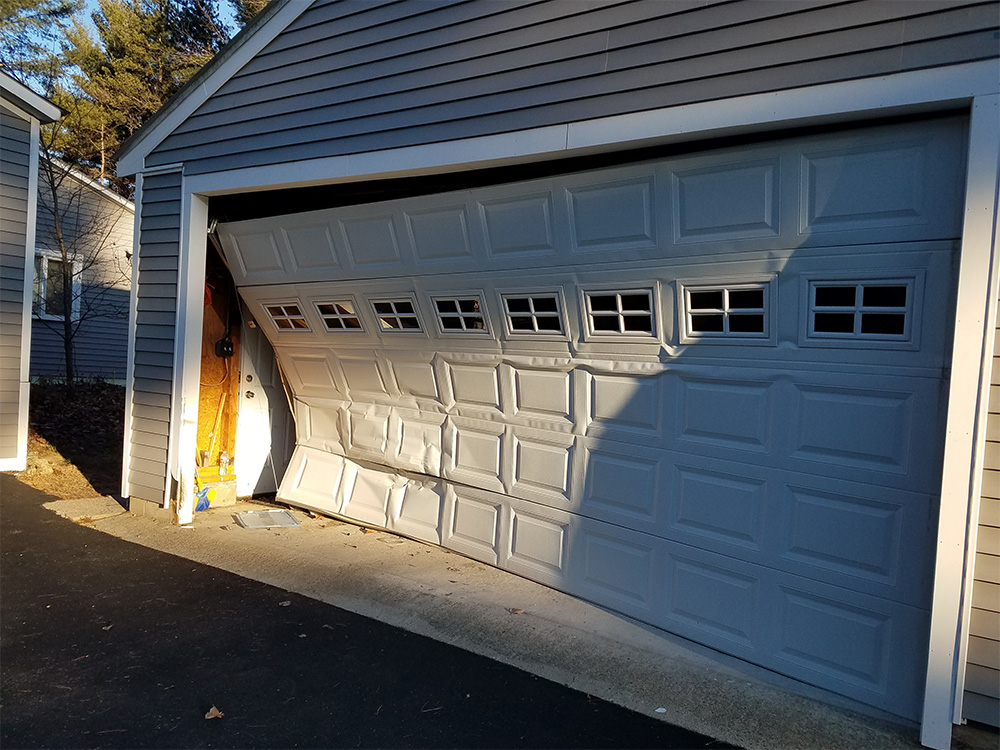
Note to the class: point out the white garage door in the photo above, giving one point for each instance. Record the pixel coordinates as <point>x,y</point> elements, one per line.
<point>707,392</point>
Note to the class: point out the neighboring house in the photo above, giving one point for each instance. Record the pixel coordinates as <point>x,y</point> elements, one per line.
<point>21,114</point>
<point>687,309</point>
<point>97,227</point>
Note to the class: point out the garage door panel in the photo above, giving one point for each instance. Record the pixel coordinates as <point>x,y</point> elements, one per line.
<point>732,414</point>
<point>623,484</point>
<point>714,504</point>
<point>416,378</point>
<point>519,225</point>
<point>853,188</point>
<point>861,531</point>
<point>716,404</point>
<point>712,599</point>
<point>322,424</point>
<point>723,202</point>
<point>869,432</point>
<point>626,407</point>
<point>313,372</point>
<point>613,215</point>
<point>619,567</point>
<point>863,429</point>
<point>541,466</point>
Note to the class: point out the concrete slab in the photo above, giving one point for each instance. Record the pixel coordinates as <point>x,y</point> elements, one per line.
<point>87,509</point>
<point>440,594</point>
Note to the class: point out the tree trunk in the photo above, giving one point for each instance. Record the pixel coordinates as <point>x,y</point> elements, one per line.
<point>67,322</point>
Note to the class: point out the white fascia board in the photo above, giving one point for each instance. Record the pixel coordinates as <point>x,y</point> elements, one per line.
<point>131,160</point>
<point>968,395</point>
<point>96,186</point>
<point>915,91</point>
<point>37,107</point>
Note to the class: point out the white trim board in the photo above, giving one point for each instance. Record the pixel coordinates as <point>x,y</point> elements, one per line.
<point>42,109</point>
<point>961,474</point>
<point>912,92</point>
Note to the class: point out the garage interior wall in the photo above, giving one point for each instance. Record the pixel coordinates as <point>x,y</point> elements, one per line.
<point>705,392</point>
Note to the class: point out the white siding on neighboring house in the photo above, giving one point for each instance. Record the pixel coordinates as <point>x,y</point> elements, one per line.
<point>98,227</point>
<point>981,701</point>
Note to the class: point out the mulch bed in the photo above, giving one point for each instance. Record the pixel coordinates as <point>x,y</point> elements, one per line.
<point>75,438</point>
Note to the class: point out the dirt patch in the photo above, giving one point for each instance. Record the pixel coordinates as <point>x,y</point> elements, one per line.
<point>75,439</point>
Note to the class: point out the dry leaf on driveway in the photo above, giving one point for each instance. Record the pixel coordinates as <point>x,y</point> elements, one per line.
<point>214,713</point>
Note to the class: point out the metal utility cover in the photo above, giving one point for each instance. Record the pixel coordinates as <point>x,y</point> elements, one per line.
<point>266,519</point>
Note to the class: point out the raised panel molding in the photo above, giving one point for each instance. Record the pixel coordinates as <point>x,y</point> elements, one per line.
<point>726,202</point>
<point>613,215</point>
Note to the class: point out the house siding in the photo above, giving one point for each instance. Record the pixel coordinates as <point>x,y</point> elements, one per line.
<point>15,153</point>
<point>99,230</point>
<point>353,76</point>
<point>981,700</point>
<point>156,277</point>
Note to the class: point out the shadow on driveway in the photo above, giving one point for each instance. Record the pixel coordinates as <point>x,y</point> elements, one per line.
<point>107,644</point>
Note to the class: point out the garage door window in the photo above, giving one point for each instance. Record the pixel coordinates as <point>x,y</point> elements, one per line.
<point>730,311</point>
<point>873,310</point>
<point>464,314</point>
<point>339,315</point>
<point>535,313</point>
<point>287,316</point>
<point>399,315</point>
<point>618,313</point>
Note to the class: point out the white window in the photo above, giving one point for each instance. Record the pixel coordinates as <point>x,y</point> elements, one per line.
<point>875,310</point>
<point>287,316</point>
<point>340,315</point>
<point>620,313</point>
<point>397,315</point>
<point>727,311</point>
<point>50,283</point>
<point>461,314</point>
<point>533,313</point>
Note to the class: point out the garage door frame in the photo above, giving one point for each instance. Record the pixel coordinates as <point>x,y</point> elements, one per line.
<point>971,85</point>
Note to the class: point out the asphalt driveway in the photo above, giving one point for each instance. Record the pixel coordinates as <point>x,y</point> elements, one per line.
<point>108,644</point>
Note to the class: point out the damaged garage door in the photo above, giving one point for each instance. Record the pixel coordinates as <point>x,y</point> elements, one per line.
<point>706,392</point>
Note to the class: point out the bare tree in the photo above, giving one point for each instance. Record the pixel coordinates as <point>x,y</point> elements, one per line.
<point>82,264</point>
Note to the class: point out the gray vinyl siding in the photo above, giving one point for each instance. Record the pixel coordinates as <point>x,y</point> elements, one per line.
<point>156,280</point>
<point>981,701</point>
<point>15,148</point>
<point>352,75</point>
<point>99,230</point>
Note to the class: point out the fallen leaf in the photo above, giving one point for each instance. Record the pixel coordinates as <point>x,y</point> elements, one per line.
<point>516,611</point>
<point>286,603</point>
<point>214,713</point>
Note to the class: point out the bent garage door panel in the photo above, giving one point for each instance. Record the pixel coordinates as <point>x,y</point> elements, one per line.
<point>705,391</point>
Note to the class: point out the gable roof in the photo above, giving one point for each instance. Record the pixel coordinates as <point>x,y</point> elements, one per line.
<point>264,27</point>
<point>27,100</point>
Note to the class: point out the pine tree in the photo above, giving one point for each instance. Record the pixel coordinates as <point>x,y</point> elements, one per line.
<point>30,32</point>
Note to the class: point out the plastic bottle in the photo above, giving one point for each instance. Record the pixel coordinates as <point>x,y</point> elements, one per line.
<point>223,464</point>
